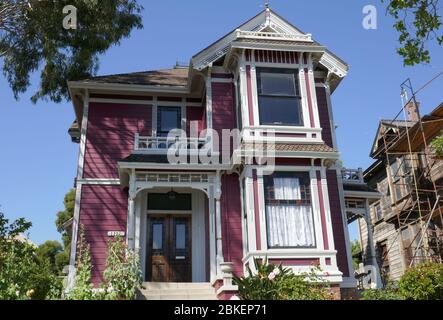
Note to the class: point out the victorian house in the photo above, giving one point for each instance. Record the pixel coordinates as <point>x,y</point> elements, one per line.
<point>208,167</point>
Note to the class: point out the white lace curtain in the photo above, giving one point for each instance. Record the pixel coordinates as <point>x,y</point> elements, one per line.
<point>289,225</point>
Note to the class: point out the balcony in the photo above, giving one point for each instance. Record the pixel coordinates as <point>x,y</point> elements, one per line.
<point>352,175</point>
<point>161,145</point>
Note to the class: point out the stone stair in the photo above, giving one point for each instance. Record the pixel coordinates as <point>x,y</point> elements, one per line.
<point>176,291</point>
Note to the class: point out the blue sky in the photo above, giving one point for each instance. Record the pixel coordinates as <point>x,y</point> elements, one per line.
<point>38,161</point>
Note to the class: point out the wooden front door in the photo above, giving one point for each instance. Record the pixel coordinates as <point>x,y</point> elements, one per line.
<point>169,249</point>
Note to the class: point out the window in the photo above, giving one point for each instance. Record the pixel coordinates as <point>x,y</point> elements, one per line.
<point>378,211</point>
<point>161,201</point>
<point>168,118</point>
<point>396,180</point>
<point>279,98</point>
<point>289,218</point>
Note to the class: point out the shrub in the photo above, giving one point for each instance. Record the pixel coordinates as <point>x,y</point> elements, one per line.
<point>123,273</point>
<point>277,283</point>
<point>422,282</point>
<point>388,293</point>
<point>83,288</point>
<point>437,145</point>
<point>23,275</point>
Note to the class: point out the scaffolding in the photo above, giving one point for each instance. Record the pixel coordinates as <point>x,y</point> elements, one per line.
<point>415,181</point>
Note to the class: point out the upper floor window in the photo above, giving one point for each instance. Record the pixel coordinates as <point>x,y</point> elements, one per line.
<point>168,118</point>
<point>289,217</point>
<point>279,97</point>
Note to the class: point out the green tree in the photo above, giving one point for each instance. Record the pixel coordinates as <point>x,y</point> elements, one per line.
<point>22,274</point>
<point>63,217</point>
<point>33,39</point>
<point>48,251</point>
<point>356,253</point>
<point>418,22</point>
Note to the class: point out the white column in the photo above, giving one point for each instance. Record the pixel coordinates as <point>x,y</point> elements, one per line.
<point>130,230</point>
<point>376,275</point>
<point>217,195</point>
<point>212,255</point>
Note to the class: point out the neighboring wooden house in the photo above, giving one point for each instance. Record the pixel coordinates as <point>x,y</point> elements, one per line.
<point>406,223</point>
<point>197,221</point>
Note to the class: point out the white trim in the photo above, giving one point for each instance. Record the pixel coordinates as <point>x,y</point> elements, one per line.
<point>103,181</point>
<point>362,194</point>
<point>127,87</point>
<point>222,80</point>
<point>75,226</point>
<point>83,132</point>
<point>145,102</point>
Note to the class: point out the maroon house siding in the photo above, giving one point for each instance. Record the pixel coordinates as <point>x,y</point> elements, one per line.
<point>323,111</point>
<point>231,222</point>
<point>110,136</point>
<point>194,114</point>
<point>103,209</point>
<point>223,109</point>
<point>337,222</point>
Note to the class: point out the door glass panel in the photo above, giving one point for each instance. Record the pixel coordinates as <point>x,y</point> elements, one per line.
<point>180,236</point>
<point>157,236</point>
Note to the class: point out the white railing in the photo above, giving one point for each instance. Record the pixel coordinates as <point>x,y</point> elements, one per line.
<point>143,143</point>
<point>273,36</point>
<point>352,175</point>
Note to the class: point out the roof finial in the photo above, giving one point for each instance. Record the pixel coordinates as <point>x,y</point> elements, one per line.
<point>267,4</point>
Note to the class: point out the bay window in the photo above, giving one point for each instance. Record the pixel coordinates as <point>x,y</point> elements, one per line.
<point>279,97</point>
<point>289,217</point>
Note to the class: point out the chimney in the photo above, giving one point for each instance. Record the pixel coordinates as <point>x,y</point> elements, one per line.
<point>412,110</point>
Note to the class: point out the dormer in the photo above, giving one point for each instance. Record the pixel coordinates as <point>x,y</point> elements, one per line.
<point>275,68</point>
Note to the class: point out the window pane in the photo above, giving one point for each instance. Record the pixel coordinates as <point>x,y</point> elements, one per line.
<point>161,201</point>
<point>157,236</point>
<point>280,111</point>
<point>281,84</point>
<point>169,118</point>
<point>180,236</point>
<point>289,217</point>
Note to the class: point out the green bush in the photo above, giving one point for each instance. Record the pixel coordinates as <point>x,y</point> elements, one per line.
<point>423,282</point>
<point>437,145</point>
<point>388,293</point>
<point>83,288</point>
<point>272,282</point>
<point>23,274</point>
<point>123,273</point>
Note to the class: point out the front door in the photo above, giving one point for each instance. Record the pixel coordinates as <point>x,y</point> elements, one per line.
<point>169,249</point>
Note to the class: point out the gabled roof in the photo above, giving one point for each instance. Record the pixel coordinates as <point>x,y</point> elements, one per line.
<point>164,77</point>
<point>382,127</point>
<point>268,21</point>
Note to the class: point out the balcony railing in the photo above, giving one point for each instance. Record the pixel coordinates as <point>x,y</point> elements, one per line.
<point>352,175</point>
<point>163,144</point>
<point>273,36</point>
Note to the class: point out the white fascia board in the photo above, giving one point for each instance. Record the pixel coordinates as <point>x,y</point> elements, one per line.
<point>127,87</point>
<point>165,166</point>
<point>280,47</point>
<point>334,65</point>
<point>362,194</point>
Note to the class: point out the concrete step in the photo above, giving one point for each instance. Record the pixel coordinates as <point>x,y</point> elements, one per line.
<point>175,285</point>
<point>176,291</point>
<point>196,291</point>
<point>153,296</point>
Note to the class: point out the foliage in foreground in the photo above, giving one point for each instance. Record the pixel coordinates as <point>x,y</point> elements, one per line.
<point>422,282</point>
<point>272,282</point>
<point>122,275</point>
<point>23,273</point>
<point>437,146</point>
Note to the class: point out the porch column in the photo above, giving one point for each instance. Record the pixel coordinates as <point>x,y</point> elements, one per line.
<point>130,230</point>
<point>371,248</point>
<point>217,195</point>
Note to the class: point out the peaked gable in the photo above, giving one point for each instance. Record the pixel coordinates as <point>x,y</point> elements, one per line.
<point>268,25</point>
